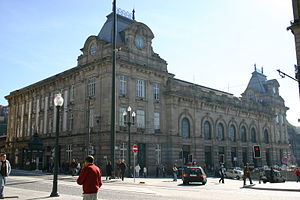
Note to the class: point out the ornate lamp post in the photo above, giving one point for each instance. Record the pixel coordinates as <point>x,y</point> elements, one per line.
<point>129,120</point>
<point>58,102</point>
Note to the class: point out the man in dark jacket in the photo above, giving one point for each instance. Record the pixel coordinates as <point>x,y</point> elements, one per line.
<point>247,174</point>
<point>222,174</point>
<point>109,170</point>
<point>5,169</point>
<point>122,168</point>
<point>90,179</point>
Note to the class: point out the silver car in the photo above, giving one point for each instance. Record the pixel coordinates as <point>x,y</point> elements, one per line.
<point>234,173</point>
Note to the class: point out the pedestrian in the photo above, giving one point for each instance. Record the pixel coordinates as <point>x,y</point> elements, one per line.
<point>4,173</point>
<point>73,166</point>
<point>90,179</point>
<point>163,169</point>
<point>122,168</point>
<point>118,170</point>
<point>261,174</point>
<point>109,170</point>
<point>272,174</point>
<point>222,173</point>
<point>298,174</point>
<point>175,171</point>
<point>145,171</point>
<point>247,174</point>
<point>137,170</point>
<point>157,171</point>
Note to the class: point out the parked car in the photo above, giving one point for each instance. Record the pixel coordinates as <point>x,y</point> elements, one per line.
<point>267,176</point>
<point>193,174</point>
<point>234,173</point>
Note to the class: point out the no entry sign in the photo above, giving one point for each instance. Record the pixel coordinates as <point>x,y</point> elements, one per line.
<point>135,148</point>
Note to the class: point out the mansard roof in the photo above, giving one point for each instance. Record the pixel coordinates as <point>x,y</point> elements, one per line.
<point>257,82</point>
<point>106,31</point>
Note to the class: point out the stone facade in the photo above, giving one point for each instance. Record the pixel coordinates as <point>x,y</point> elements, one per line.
<point>176,122</point>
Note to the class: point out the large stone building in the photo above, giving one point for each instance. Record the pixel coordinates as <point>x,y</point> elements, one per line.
<point>176,121</point>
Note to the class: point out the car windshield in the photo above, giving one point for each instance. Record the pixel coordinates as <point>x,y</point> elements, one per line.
<point>193,171</point>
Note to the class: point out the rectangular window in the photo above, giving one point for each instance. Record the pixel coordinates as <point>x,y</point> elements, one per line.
<point>72,93</point>
<point>140,88</point>
<point>71,121</point>
<point>158,153</point>
<point>156,88</point>
<point>140,118</point>
<point>121,116</point>
<point>91,87</point>
<point>50,125</point>
<point>91,118</point>
<point>156,121</point>
<point>51,100</point>
<point>123,85</point>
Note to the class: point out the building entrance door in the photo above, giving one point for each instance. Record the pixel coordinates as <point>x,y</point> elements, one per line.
<point>141,156</point>
<point>185,153</point>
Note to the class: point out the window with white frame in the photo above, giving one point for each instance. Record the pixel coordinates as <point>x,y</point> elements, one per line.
<point>123,85</point>
<point>156,121</point>
<point>140,88</point>
<point>140,118</point>
<point>156,91</point>
<point>91,87</point>
<point>121,116</point>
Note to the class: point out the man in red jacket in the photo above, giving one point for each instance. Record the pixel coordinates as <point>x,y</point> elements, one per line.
<point>90,179</point>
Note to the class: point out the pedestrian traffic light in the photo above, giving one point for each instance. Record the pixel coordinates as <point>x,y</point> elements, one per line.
<point>256,150</point>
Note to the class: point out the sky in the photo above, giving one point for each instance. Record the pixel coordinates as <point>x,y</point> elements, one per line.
<point>212,43</point>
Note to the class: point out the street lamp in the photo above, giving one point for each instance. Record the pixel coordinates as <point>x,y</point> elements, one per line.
<point>129,120</point>
<point>58,102</point>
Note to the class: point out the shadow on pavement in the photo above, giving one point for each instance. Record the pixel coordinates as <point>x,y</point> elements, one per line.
<point>191,184</point>
<point>47,197</point>
<point>20,183</point>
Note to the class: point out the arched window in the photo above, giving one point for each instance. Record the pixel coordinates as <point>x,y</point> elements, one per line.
<point>253,135</point>
<point>266,137</point>
<point>232,133</point>
<point>243,134</point>
<point>185,128</point>
<point>207,131</point>
<point>220,132</point>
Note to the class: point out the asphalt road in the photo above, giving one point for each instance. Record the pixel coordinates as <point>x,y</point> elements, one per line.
<point>152,189</point>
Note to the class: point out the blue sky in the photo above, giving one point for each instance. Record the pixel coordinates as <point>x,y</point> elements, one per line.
<point>212,43</point>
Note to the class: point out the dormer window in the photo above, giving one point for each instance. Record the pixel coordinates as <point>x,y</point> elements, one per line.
<point>274,90</point>
<point>250,95</point>
<point>93,49</point>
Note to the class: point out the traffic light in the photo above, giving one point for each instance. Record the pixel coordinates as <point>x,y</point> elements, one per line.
<point>256,150</point>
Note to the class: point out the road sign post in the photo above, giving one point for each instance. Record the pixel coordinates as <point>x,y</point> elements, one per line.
<point>135,150</point>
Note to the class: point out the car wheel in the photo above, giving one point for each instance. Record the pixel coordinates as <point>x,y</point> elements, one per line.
<point>265,182</point>
<point>203,183</point>
<point>237,178</point>
<point>184,182</point>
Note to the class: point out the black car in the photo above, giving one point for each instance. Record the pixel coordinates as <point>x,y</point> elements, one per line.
<point>272,176</point>
<point>193,174</point>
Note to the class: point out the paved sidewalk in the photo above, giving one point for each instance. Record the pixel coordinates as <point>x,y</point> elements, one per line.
<point>23,194</point>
